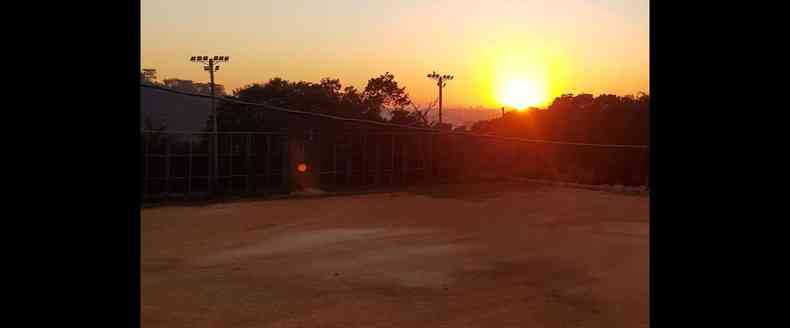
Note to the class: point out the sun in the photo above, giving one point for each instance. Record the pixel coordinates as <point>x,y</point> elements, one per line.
<point>522,93</point>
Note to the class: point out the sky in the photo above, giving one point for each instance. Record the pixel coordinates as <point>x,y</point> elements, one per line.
<point>501,52</point>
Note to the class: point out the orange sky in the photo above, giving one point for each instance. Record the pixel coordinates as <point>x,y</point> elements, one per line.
<point>562,46</point>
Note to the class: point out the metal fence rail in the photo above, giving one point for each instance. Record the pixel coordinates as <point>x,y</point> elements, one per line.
<point>361,160</point>
<point>352,153</point>
<point>178,164</point>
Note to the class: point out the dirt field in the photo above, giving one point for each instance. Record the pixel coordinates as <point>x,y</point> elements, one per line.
<point>487,255</point>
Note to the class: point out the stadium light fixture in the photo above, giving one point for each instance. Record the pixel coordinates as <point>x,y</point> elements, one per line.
<point>211,68</point>
<point>440,81</point>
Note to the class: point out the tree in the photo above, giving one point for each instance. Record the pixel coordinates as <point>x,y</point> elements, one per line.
<point>424,114</point>
<point>351,103</point>
<point>562,102</point>
<point>331,86</point>
<point>276,91</point>
<point>403,117</point>
<point>382,95</point>
<point>605,119</point>
<point>606,101</point>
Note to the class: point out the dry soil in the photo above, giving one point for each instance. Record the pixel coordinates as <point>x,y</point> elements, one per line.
<point>485,255</point>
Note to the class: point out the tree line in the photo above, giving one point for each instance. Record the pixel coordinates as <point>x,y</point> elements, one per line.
<point>581,118</point>
<point>382,99</point>
<point>605,118</point>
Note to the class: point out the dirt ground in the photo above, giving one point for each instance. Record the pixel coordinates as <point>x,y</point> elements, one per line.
<point>485,255</point>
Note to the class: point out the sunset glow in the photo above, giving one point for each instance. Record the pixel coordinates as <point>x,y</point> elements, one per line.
<point>501,52</point>
<point>521,94</point>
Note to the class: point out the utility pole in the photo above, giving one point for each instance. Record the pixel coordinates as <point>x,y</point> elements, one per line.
<point>441,83</point>
<point>211,67</point>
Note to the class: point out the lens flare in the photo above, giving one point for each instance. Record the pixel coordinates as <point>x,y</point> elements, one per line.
<point>301,168</point>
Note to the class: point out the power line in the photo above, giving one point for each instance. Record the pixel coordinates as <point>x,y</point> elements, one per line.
<point>391,125</point>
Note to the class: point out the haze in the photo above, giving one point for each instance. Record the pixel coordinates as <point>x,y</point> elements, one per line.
<point>491,47</point>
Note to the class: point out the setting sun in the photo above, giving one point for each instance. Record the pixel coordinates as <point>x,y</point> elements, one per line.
<point>521,94</point>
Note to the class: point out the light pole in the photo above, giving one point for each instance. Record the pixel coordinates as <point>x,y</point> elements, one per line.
<point>211,67</point>
<point>440,82</point>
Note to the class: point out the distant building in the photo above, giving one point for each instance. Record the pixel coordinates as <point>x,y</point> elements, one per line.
<point>205,88</point>
<point>148,74</point>
<point>190,86</point>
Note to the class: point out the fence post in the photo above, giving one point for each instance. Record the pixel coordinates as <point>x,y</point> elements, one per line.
<point>421,152</point>
<point>267,167</point>
<point>212,181</point>
<point>349,157</point>
<point>520,159</point>
<point>189,166</point>
<point>429,158</point>
<point>432,154</point>
<point>392,158</point>
<point>230,162</point>
<point>285,171</point>
<point>377,166</point>
<point>449,160</point>
<point>248,164</point>
<point>517,158</point>
<point>364,160</point>
<point>438,162</point>
<point>334,163</point>
<point>403,164</point>
<point>147,173</point>
<point>647,178</point>
<point>167,167</point>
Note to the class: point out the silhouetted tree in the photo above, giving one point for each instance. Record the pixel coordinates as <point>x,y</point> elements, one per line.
<point>382,94</point>
<point>605,119</point>
<point>403,117</point>
<point>351,103</point>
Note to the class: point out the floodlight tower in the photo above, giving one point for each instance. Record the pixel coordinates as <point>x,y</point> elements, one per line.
<point>441,83</point>
<point>210,65</point>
